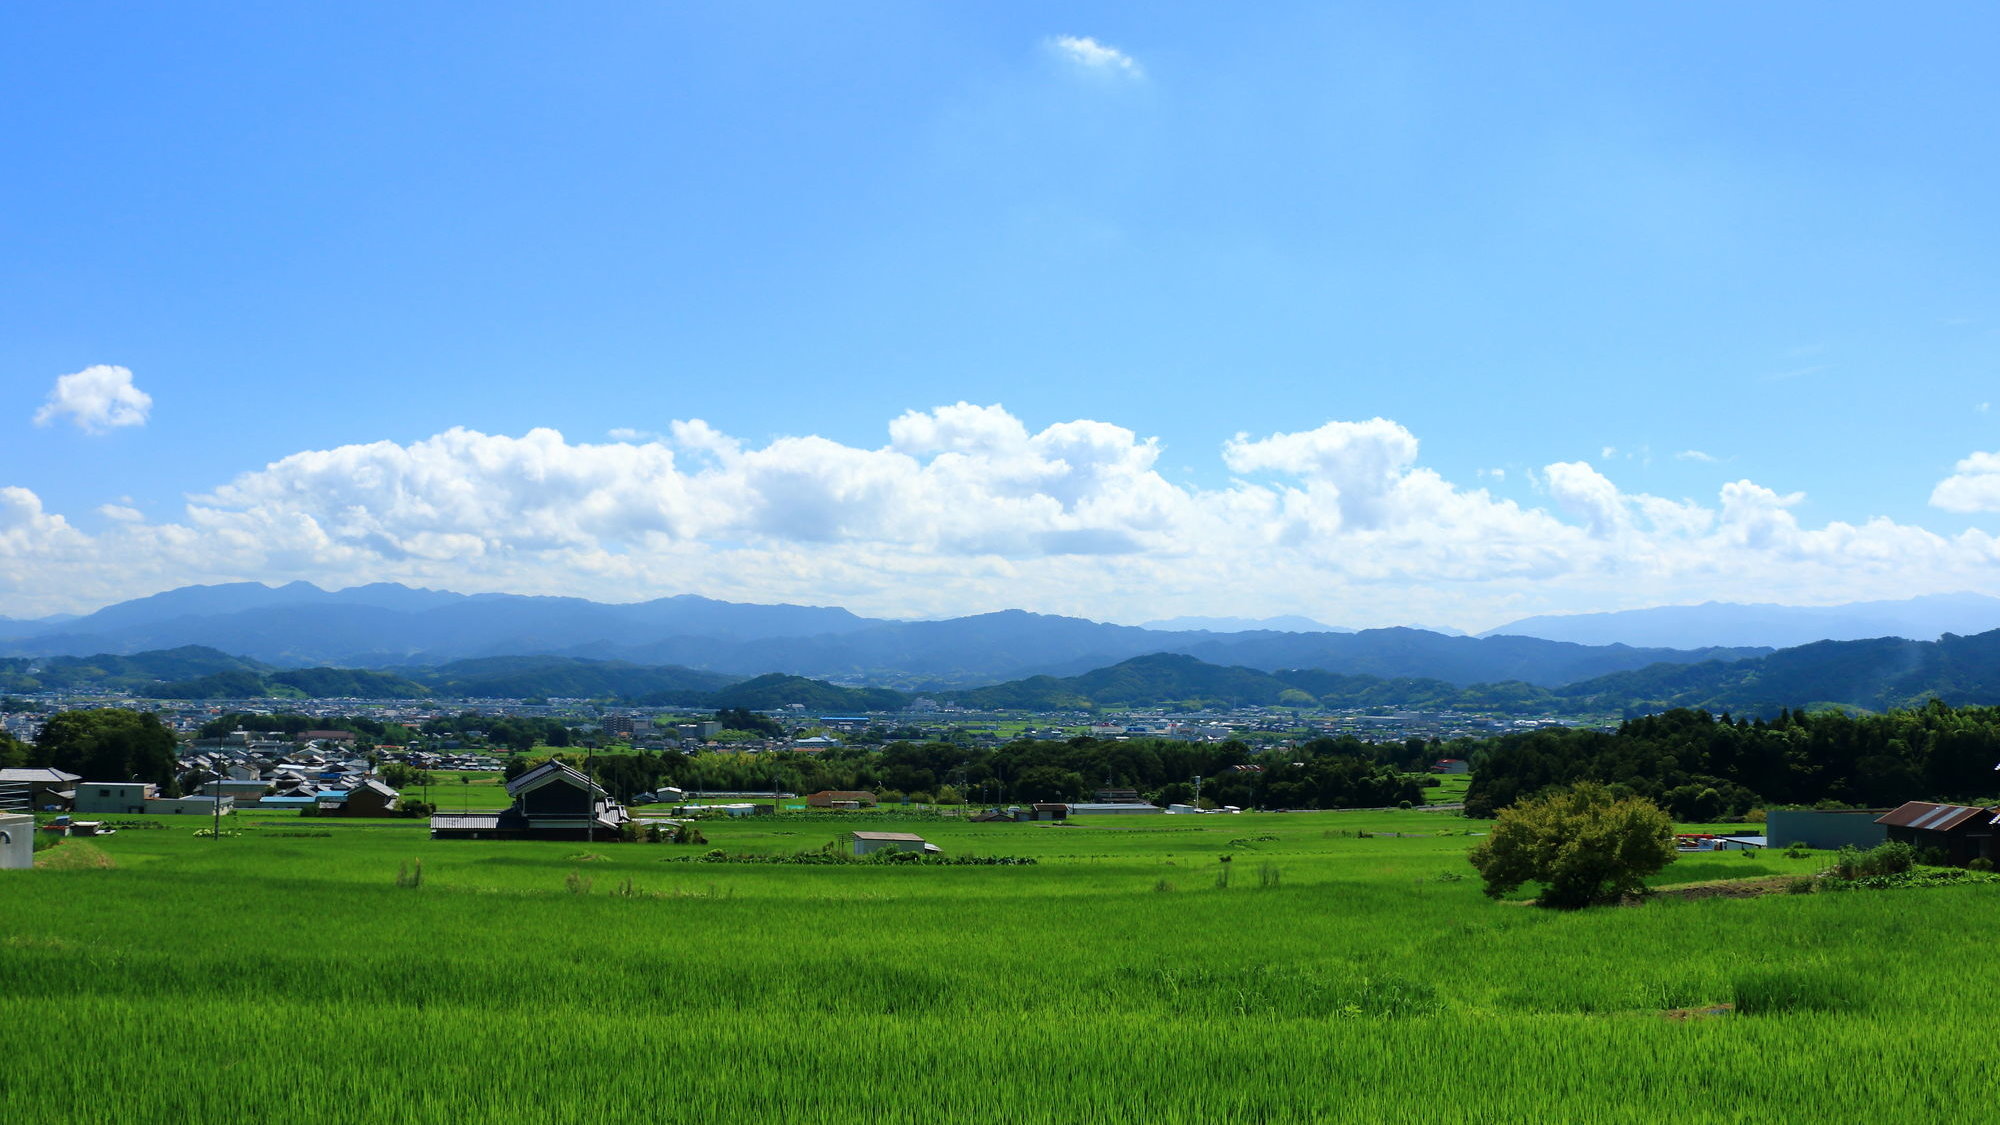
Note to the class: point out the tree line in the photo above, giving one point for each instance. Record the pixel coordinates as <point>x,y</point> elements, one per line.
<point>1322,773</point>
<point>1705,767</point>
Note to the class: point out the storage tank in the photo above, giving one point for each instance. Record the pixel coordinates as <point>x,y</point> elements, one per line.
<point>17,841</point>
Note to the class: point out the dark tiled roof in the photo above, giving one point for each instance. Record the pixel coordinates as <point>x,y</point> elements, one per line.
<point>548,772</point>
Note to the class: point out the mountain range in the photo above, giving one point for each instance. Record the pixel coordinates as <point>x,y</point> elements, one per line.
<point>398,629</point>
<point>1875,674</point>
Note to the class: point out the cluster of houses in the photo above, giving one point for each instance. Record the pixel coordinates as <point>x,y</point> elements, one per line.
<point>242,770</point>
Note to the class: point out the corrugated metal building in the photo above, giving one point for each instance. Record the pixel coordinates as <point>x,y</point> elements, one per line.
<point>1963,832</point>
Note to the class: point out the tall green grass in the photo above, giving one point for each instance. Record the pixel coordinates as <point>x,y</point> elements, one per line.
<point>283,976</point>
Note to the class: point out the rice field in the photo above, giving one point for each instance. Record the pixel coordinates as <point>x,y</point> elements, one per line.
<point>1329,971</point>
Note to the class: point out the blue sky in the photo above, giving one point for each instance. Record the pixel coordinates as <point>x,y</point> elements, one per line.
<point>1374,313</point>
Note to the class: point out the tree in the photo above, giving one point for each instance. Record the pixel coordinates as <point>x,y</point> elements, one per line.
<point>401,775</point>
<point>1582,844</point>
<point>111,744</point>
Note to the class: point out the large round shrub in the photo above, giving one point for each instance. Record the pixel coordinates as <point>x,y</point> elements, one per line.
<point>1582,844</point>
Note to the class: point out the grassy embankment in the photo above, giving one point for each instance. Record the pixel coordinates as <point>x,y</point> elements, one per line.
<point>1337,977</point>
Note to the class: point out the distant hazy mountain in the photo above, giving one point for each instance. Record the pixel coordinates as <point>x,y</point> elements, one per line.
<point>1770,626</point>
<point>387,626</point>
<point>301,624</point>
<point>1286,624</point>
<point>1875,674</point>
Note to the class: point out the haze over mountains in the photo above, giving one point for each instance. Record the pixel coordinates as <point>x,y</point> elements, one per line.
<point>387,641</point>
<point>1282,624</point>
<point>1769,626</point>
<point>388,626</point>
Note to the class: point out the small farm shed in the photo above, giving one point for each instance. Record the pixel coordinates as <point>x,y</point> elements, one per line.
<point>866,843</point>
<point>41,787</point>
<point>370,798</point>
<point>1824,829</point>
<point>1963,832</point>
<point>190,806</point>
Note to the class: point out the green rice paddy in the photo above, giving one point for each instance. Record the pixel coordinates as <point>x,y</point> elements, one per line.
<point>1341,974</point>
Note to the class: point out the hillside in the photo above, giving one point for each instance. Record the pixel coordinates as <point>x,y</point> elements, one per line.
<point>1873,674</point>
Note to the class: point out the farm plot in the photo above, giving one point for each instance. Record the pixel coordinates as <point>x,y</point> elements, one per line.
<point>1327,971</point>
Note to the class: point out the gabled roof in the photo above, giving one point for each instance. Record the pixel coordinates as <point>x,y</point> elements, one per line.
<point>549,772</point>
<point>39,776</point>
<point>1930,817</point>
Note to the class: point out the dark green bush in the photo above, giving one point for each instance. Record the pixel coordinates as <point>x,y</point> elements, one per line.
<point>1894,858</point>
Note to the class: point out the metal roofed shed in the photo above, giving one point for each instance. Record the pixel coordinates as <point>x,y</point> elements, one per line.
<point>1962,832</point>
<point>1826,829</point>
<point>867,843</point>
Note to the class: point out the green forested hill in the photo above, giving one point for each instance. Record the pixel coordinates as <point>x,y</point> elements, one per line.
<point>1874,674</point>
<point>137,673</point>
<point>1166,679</point>
<point>765,693</point>
<point>521,677</point>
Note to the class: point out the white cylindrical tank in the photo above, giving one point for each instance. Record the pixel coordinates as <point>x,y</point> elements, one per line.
<point>17,841</point>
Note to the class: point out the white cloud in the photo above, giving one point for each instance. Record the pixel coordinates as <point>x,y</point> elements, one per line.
<point>1695,455</point>
<point>1587,494</point>
<point>96,399</point>
<point>1974,486</point>
<point>1088,53</point>
<point>967,508</point>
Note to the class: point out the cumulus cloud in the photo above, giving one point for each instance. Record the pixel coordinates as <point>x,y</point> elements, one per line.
<point>1088,53</point>
<point>96,399</point>
<point>1973,486</point>
<point>1586,494</point>
<point>966,507</point>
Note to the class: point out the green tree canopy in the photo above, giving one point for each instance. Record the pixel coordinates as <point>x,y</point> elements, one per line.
<point>111,744</point>
<point>1582,844</point>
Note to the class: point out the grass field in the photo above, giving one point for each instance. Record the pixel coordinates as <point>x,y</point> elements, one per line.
<point>1343,973</point>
